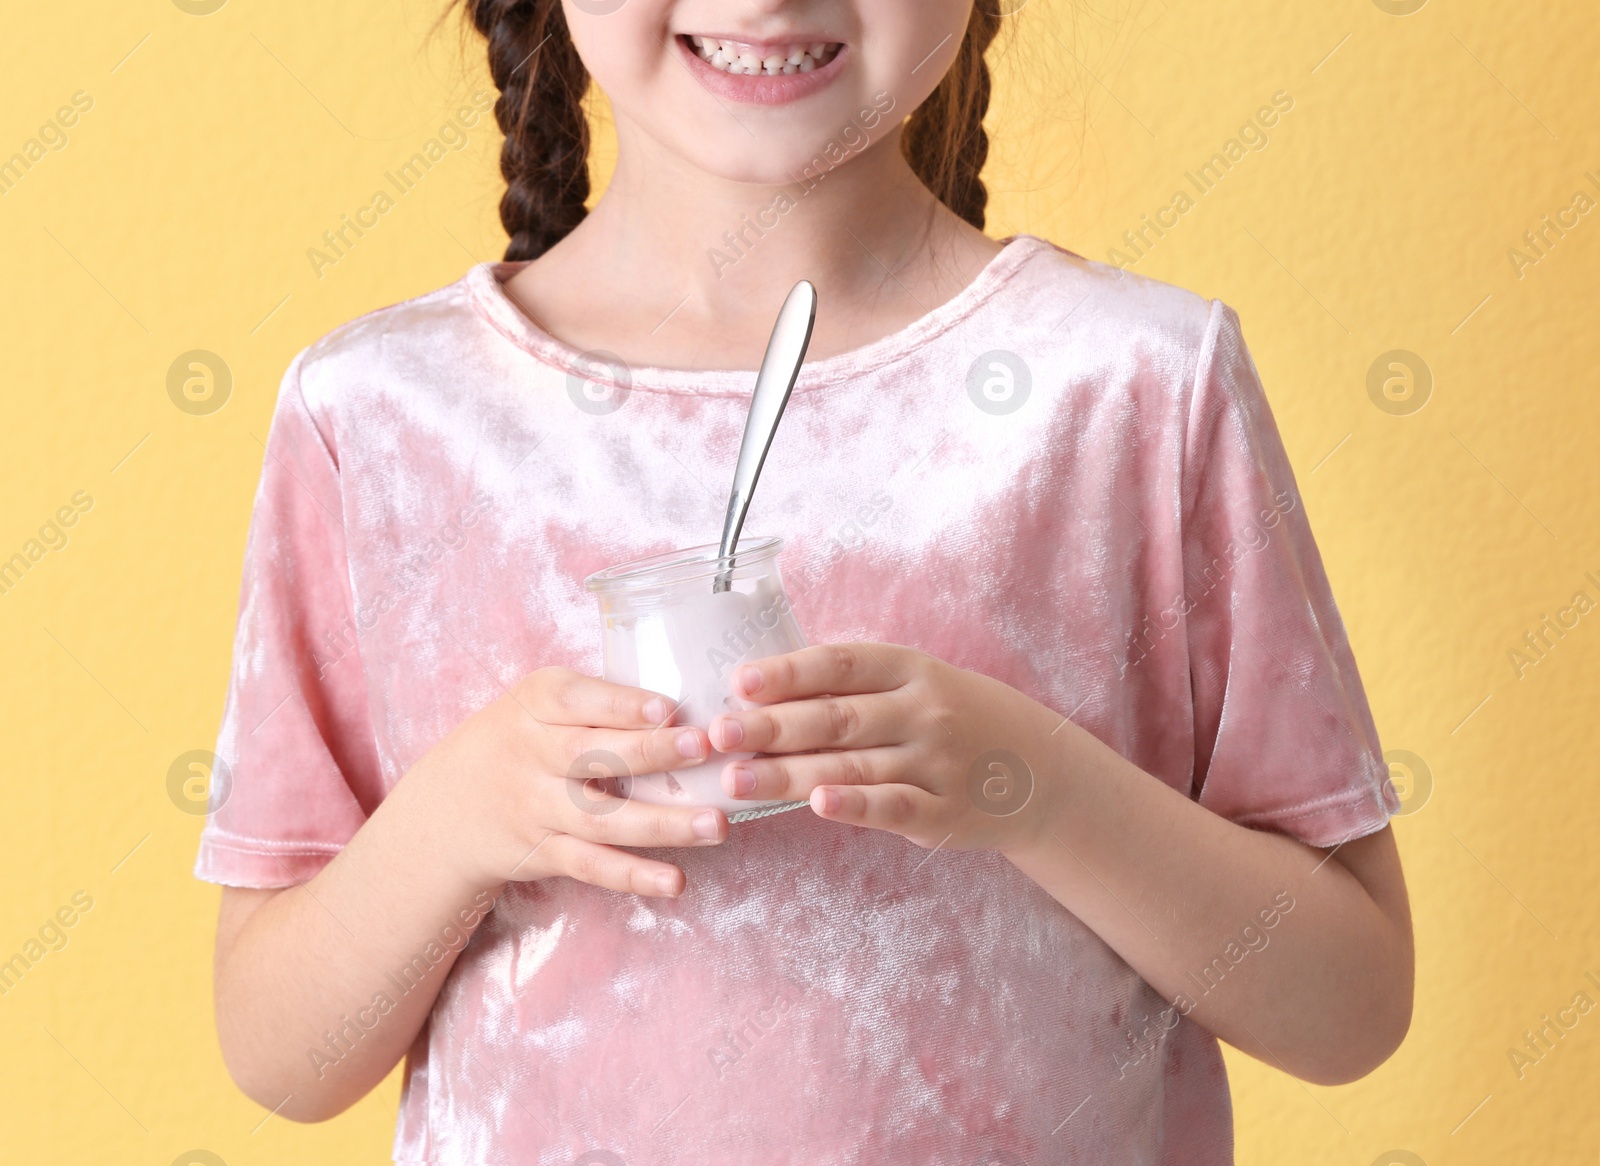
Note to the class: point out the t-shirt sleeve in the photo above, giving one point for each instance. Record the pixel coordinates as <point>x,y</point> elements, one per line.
<point>1284,738</point>
<point>296,740</point>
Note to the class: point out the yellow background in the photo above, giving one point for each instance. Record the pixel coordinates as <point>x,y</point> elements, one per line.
<point>1379,217</point>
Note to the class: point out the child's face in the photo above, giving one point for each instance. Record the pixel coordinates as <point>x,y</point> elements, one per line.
<point>883,58</point>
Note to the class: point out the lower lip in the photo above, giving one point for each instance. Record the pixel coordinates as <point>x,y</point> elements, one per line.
<point>760,89</point>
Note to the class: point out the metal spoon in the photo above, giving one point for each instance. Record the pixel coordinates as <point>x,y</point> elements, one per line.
<point>791,335</point>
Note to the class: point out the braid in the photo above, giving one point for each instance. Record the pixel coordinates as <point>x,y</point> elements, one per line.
<point>542,82</point>
<point>945,141</point>
<point>545,159</point>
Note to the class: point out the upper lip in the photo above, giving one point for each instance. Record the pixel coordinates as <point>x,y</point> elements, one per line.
<point>767,44</point>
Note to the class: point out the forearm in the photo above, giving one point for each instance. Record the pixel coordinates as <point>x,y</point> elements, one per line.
<point>326,985</point>
<point>1324,992</point>
<point>890,738</point>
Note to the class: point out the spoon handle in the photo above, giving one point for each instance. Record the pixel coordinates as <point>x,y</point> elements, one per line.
<point>791,335</point>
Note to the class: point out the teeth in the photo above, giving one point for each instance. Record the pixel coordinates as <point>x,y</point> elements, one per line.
<point>731,57</point>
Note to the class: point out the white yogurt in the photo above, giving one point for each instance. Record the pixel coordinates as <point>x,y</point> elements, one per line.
<point>689,647</point>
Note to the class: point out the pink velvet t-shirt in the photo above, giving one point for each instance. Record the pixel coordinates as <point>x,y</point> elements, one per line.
<point>1066,477</point>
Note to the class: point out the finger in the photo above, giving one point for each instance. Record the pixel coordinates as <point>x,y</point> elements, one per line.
<point>615,870</point>
<point>566,697</point>
<point>596,815</point>
<point>792,778</point>
<point>837,669</point>
<point>630,752</point>
<point>907,810</point>
<point>795,726</point>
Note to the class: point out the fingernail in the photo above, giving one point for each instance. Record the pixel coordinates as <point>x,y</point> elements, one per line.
<point>666,882</point>
<point>689,744</point>
<point>705,824</point>
<point>731,732</point>
<point>656,710</point>
<point>828,801</point>
<point>750,679</point>
<point>744,780</point>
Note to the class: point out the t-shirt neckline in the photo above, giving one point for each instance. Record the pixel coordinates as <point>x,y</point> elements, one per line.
<point>485,285</point>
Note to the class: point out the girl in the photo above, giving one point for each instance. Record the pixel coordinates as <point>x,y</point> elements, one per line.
<point>1088,777</point>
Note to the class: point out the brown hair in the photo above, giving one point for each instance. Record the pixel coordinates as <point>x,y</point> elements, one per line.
<point>545,160</point>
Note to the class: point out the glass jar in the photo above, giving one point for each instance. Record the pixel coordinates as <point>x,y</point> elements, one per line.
<point>667,628</point>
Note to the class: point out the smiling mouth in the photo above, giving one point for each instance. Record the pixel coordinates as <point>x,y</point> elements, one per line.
<point>739,58</point>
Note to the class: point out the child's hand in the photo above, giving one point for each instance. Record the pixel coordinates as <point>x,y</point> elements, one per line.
<point>515,791</point>
<point>905,743</point>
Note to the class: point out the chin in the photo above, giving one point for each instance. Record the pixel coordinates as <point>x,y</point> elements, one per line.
<point>789,171</point>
